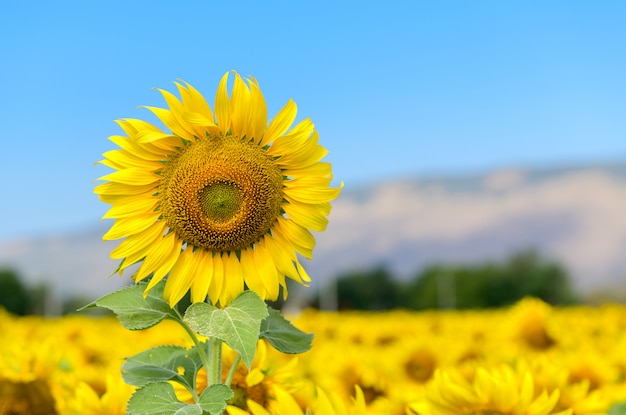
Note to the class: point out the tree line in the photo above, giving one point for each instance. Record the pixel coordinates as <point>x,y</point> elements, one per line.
<point>444,286</point>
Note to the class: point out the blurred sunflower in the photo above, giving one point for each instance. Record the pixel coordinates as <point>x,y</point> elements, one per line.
<point>499,391</point>
<point>26,398</point>
<point>224,201</point>
<point>325,404</point>
<point>30,371</point>
<point>257,384</point>
<point>87,401</point>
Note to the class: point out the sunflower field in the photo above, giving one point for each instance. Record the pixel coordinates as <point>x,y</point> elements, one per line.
<point>530,358</point>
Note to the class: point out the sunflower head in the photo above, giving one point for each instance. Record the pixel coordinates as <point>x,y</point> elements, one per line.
<point>494,391</point>
<point>22,398</point>
<point>223,200</point>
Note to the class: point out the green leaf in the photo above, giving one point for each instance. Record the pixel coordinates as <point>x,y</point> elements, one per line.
<point>133,310</point>
<point>618,409</point>
<point>214,399</point>
<point>283,335</point>
<point>161,364</point>
<point>159,399</point>
<point>238,325</point>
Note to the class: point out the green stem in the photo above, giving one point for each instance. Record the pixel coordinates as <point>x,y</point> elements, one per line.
<point>196,342</point>
<point>214,369</point>
<point>231,371</point>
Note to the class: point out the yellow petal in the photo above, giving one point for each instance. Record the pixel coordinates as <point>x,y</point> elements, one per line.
<point>240,108</point>
<point>137,244</point>
<point>124,159</point>
<point>288,404</point>
<point>281,122</point>
<point>267,270</point>
<point>233,410</point>
<point>176,109</point>
<point>306,215</point>
<point>259,410</point>
<point>319,169</point>
<point>127,198</point>
<point>293,141</point>
<point>160,257</point>
<point>544,404</point>
<point>171,257</point>
<point>136,206</point>
<point>149,136</point>
<point>128,128</point>
<point>309,153</point>
<point>217,283</point>
<point>180,278</point>
<point>152,138</point>
<point>233,275</point>
<point>196,118</point>
<point>171,122</point>
<point>133,176</point>
<point>129,226</point>
<point>284,263</point>
<point>120,189</point>
<point>257,120</point>
<point>194,101</point>
<point>203,275</point>
<point>251,273</point>
<point>323,404</point>
<point>145,151</point>
<point>254,377</point>
<point>302,272</point>
<point>300,237</point>
<point>312,195</point>
<point>222,105</point>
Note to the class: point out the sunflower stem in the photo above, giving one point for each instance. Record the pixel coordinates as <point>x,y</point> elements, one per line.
<point>214,369</point>
<point>231,371</point>
<point>196,342</point>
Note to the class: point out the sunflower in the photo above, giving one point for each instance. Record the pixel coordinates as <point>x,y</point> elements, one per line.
<point>497,391</point>
<point>26,398</point>
<point>87,401</point>
<point>223,201</point>
<point>258,383</point>
<point>325,404</point>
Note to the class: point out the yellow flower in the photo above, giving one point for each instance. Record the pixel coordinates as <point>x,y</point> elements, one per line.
<point>499,391</point>
<point>224,200</point>
<point>256,384</point>
<point>26,398</point>
<point>325,404</point>
<point>87,401</point>
<point>532,322</point>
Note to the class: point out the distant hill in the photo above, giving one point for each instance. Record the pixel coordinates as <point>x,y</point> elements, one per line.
<point>575,215</point>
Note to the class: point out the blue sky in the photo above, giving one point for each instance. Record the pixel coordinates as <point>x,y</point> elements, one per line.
<point>394,88</point>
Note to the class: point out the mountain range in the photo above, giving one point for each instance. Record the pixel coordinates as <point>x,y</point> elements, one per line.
<point>575,215</point>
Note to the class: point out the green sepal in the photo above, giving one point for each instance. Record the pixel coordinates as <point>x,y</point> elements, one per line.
<point>215,398</point>
<point>159,399</point>
<point>238,325</point>
<point>135,311</point>
<point>283,335</point>
<point>161,364</point>
<point>618,409</point>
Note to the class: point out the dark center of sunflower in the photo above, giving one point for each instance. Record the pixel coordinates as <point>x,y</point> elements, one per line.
<point>32,398</point>
<point>220,201</point>
<point>242,392</point>
<point>421,366</point>
<point>221,194</point>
